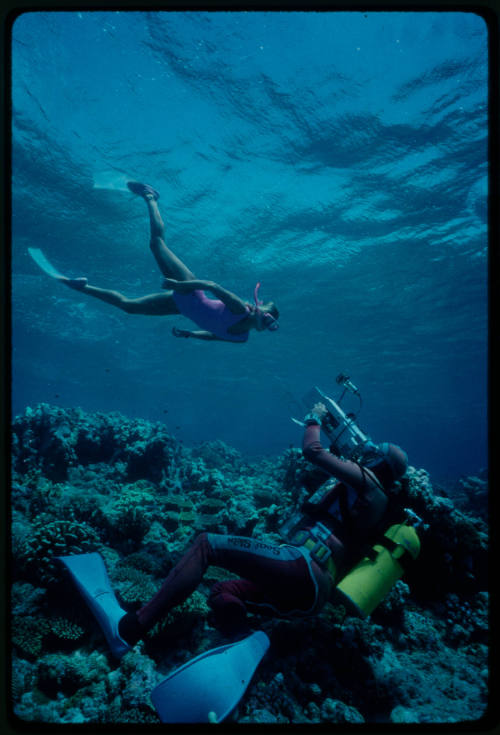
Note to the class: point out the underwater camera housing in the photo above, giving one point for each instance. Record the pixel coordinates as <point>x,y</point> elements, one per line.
<point>346,438</point>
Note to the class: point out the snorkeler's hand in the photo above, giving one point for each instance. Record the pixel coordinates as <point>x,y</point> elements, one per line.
<point>170,284</point>
<point>183,286</point>
<point>180,332</point>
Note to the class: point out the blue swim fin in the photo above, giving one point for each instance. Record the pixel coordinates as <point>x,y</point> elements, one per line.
<point>43,263</point>
<point>112,180</point>
<point>208,688</point>
<point>91,578</point>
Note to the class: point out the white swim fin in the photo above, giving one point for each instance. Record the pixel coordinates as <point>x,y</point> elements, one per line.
<point>208,688</point>
<point>44,264</point>
<point>91,578</point>
<point>111,180</point>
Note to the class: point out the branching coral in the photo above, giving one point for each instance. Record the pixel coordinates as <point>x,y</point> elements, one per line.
<point>65,630</point>
<point>55,538</point>
<point>31,632</point>
<point>68,673</point>
<point>142,561</point>
<point>178,624</point>
<point>130,515</point>
<point>28,633</point>
<point>134,587</point>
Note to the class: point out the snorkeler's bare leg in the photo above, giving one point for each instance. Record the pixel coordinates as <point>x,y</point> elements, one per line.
<point>168,262</point>
<point>156,304</point>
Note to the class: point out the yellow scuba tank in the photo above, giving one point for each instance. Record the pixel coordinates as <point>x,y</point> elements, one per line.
<point>366,585</point>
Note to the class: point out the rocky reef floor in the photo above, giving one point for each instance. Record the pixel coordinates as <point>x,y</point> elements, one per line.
<point>128,489</point>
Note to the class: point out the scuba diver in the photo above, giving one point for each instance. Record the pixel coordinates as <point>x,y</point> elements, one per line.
<point>225,317</point>
<point>354,506</point>
<point>298,577</point>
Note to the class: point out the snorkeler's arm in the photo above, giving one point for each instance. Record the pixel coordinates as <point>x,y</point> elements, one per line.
<point>198,334</point>
<point>233,302</point>
<point>344,470</point>
<point>202,334</point>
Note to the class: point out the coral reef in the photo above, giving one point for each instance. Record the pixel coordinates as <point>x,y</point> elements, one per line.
<point>470,494</point>
<point>455,544</point>
<point>50,538</point>
<point>83,482</point>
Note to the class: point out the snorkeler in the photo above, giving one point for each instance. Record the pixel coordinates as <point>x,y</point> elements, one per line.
<point>289,580</point>
<point>225,317</point>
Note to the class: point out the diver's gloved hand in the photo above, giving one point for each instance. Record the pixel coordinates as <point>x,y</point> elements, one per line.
<point>316,414</point>
<point>312,418</point>
<point>180,332</point>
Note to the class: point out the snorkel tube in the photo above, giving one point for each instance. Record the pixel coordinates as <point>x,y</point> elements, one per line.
<point>258,302</point>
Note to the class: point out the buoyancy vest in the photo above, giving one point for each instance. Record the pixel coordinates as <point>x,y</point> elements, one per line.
<point>337,518</point>
<point>381,560</point>
<point>347,510</point>
<point>339,511</point>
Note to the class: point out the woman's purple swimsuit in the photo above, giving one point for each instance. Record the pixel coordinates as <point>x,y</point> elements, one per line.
<point>210,314</point>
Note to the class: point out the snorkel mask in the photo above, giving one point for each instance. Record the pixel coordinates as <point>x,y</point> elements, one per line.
<point>268,320</point>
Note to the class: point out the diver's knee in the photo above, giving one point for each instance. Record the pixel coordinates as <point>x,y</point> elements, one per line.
<point>201,542</point>
<point>201,538</point>
<point>311,451</point>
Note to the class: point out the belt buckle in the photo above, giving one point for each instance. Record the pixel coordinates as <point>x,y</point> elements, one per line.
<point>320,553</point>
<point>300,537</point>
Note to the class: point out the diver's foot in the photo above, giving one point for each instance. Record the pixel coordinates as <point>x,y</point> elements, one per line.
<point>129,629</point>
<point>143,190</point>
<point>231,628</point>
<point>77,283</point>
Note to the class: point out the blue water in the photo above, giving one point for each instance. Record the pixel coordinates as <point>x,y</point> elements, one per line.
<point>339,158</point>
